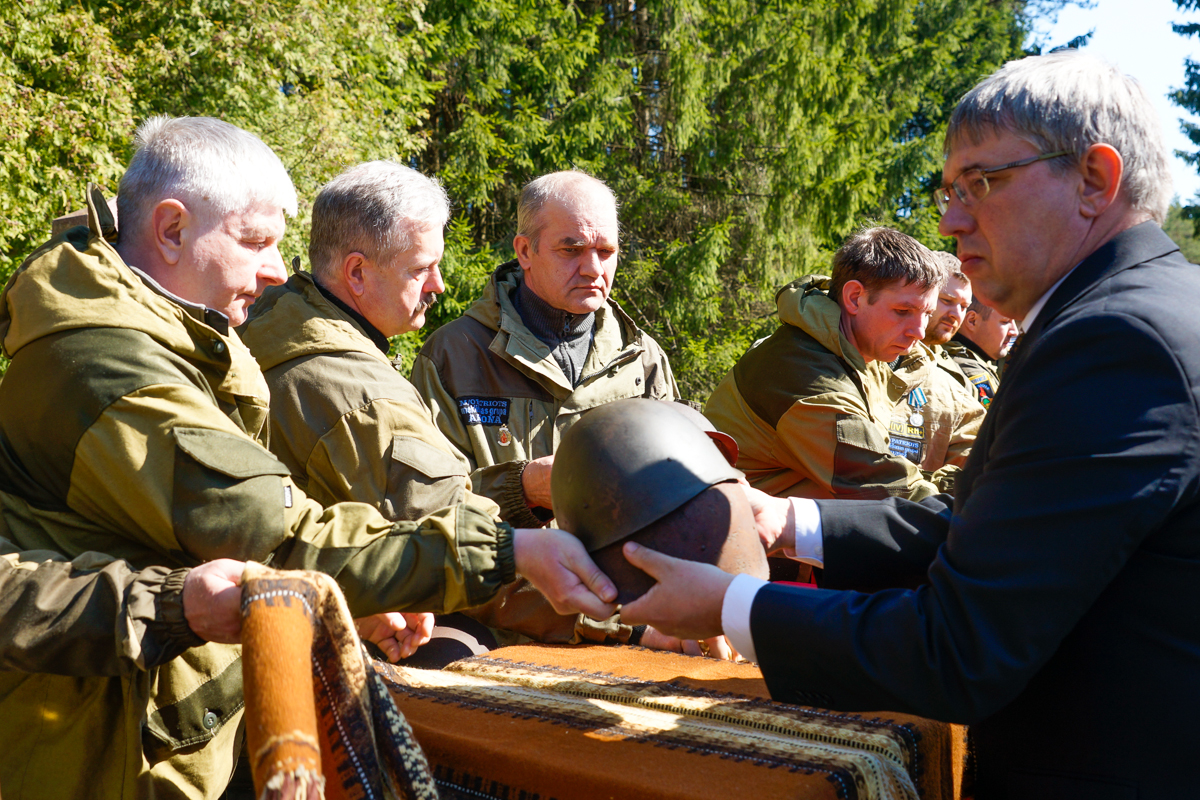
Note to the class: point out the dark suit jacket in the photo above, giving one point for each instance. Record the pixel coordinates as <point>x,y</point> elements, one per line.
<point>1061,613</point>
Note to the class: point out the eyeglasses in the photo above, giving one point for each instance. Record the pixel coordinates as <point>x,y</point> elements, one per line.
<point>972,185</point>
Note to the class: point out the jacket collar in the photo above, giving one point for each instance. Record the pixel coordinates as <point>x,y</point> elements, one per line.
<point>974,348</point>
<point>374,333</point>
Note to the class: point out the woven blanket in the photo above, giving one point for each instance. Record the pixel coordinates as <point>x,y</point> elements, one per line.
<point>539,722</point>
<point>319,722</point>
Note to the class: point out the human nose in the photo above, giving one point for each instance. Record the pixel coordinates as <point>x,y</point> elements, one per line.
<point>589,265</point>
<point>435,284</point>
<point>273,271</point>
<point>957,220</point>
<point>921,324</point>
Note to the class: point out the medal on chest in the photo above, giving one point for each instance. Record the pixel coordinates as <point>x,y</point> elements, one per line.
<point>916,401</point>
<point>504,437</point>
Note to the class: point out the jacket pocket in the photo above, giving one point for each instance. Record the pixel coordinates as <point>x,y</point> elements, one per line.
<point>430,461</point>
<point>194,696</point>
<point>228,496</point>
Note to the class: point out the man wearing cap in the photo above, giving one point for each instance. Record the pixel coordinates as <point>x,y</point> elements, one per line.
<point>542,345</point>
<point>809,406</point>
<point>154,455</point>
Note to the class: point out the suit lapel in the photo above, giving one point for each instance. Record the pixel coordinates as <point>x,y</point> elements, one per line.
<point>1127,249</point>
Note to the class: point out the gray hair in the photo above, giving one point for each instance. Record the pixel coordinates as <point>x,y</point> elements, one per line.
<point>560,187</point>
<point>876,257</point>
<point>210,166</point>
<point>373,209</point>
<point>1070,101</point>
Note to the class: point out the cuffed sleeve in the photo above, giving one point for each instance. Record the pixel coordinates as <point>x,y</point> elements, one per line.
<point>93,616</point>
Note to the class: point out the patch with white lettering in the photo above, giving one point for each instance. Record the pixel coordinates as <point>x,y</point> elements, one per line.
<point>483,410</point>
<point>903,447</point>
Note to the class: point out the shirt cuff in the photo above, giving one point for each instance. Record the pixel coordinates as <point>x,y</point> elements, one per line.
<point>735,613</point>
<point>808,547</point>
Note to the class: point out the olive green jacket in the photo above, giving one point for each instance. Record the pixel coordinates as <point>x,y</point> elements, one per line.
<point>810,416</point>
<point>935,418</point>
<point>979,369</point>
<point>350,427</point>
<point>93,615</point>
<point>343,420</point>
<point>501,398</point>
<point>130,424</point>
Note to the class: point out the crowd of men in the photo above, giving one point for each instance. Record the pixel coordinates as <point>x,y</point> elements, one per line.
<point>177,404</point>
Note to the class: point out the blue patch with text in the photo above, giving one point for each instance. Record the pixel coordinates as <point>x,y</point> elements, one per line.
<point>483,410</point>
<point>902,447</point>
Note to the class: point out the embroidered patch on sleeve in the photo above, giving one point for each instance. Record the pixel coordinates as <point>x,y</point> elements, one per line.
<point>483,410</point>
<point>902,447</point>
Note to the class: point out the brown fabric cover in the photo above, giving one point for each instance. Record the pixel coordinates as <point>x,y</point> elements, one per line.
<point>313,709</point>
<point>575,722</point>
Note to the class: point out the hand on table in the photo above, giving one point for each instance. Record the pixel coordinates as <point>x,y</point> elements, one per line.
<point>687,600</point>
<point>212,600</point>
<point>535,481</point>
<point>398,634</point>
<point>558,566</point>
<point>716,647</point>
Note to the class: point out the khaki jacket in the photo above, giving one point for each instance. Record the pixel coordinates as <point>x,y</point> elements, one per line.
<point>131,424</point>
<point>351,428</point>
<point>343,420</point>
<point>90,616</point>
<point>501,398</point>
<point>935,418</point>
<point>810,416</point>
<point>979,369</point>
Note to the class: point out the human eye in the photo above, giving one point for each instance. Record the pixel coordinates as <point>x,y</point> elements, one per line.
<point>974,183</point>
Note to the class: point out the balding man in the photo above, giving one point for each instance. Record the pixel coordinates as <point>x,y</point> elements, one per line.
<point>347,424</point>
<point>541,346</point>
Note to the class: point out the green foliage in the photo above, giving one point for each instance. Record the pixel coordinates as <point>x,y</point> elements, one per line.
<point>745,139</point>
<point>1180,227</point>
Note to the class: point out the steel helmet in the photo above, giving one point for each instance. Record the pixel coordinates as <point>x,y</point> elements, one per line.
<point>626,464</point>
<point>724,442</point>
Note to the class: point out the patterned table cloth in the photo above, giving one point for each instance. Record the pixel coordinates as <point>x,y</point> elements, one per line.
<point>589,722</point>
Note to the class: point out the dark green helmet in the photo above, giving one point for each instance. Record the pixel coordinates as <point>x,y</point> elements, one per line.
<point>625,465</point>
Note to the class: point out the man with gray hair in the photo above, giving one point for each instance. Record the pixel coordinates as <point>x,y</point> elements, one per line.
<point>541,346</point>
<point>1058,612</point>
<point>153,454</point>
<point>346,423</point>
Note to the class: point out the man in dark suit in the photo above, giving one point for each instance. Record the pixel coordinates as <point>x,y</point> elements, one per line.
<point>1058,612</point>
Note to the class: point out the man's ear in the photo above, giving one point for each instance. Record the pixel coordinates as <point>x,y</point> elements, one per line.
<point>174,228</point>
<point>524,250</point>
<point>1102,169</point>
<point>970,320</point>
<point>854,297</point>
<point>353,270</point>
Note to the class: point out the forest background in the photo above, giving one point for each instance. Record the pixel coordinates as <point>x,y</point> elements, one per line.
<point>744,139</point>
